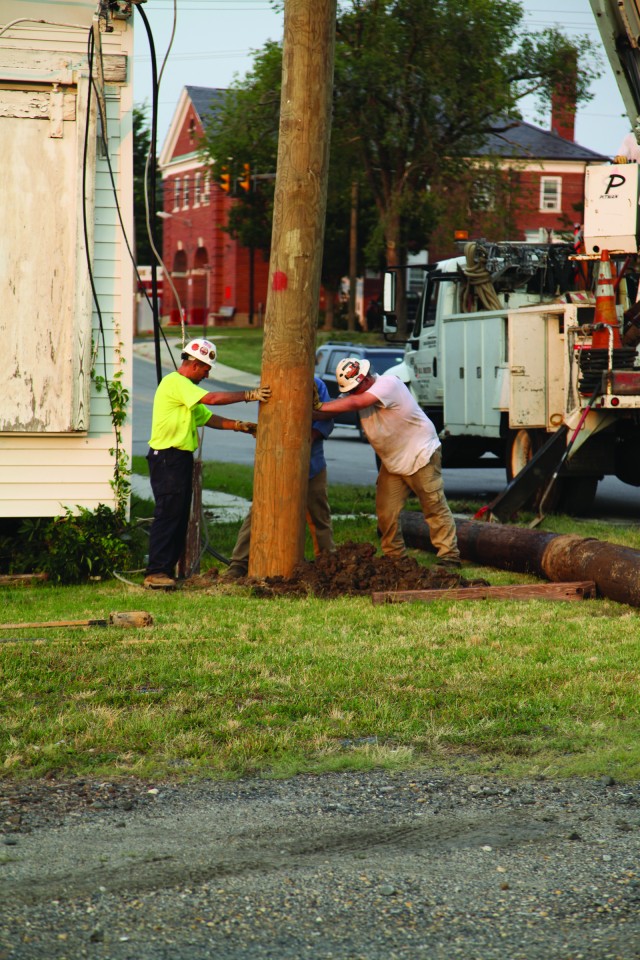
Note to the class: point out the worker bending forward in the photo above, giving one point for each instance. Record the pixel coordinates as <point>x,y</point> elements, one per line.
<point>408,446</point>
<point>179,408</point>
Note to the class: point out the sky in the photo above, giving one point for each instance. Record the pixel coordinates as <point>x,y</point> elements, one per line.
<point>214,39</point>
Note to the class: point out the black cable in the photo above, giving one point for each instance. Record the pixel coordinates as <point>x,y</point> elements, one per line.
<point>124,232</point>
<point>152,187</point>
<point>90,52</point>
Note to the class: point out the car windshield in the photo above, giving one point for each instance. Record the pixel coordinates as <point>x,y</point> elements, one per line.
<point>382,361</point>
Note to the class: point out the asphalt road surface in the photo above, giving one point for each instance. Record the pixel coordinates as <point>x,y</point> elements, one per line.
<point>349,460</point>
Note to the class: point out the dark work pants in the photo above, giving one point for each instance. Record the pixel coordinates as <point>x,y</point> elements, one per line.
<point>171,475</point>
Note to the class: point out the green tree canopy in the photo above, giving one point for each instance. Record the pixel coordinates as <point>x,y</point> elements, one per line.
<point>141,144</point>
<point>419,84</point>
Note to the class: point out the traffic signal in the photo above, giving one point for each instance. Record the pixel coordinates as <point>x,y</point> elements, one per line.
<point>225,179</point>
<point>245,179</point>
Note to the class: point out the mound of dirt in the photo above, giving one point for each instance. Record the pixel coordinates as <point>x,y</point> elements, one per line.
<point>355,570</point>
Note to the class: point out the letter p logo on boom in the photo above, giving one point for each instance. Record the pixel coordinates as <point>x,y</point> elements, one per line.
<point>615,181</point>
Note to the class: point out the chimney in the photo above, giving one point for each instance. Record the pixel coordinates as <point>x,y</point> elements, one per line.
<point>563,103</point>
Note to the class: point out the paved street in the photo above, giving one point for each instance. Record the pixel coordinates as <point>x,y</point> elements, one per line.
<point>348,459</point>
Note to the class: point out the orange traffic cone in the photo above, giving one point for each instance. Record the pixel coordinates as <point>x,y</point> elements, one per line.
<point>605,307</point>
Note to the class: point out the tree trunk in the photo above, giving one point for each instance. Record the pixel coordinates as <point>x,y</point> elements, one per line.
<point>395,262</point>
<point>330,297</point>
<point>353,256</point>
<point>284,431</point>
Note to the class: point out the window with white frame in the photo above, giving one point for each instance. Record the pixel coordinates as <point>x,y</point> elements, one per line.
<point>207,189</point>
<point>550,194</point>
<point>185,193</point>
<point>176,193</point>
<point>197,190</point>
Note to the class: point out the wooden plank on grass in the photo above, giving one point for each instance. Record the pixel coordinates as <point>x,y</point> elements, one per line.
<point>11,579</point>
<point>578,590</point>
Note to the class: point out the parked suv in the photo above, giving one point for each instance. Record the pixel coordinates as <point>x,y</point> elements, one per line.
<point>329,355</point>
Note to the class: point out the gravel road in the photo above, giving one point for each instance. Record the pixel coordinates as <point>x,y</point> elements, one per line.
<point>351,866</point>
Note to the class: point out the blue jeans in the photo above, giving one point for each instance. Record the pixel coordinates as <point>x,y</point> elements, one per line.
<point>171,475</point>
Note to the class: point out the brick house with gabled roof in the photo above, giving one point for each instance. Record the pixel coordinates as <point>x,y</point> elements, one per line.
<point>540,175</point>
<point>216,279</point>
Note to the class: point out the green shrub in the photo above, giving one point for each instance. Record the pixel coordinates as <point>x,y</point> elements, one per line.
<point>73,547</point>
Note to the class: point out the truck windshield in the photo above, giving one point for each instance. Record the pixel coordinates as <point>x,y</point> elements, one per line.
<point>428,305</point>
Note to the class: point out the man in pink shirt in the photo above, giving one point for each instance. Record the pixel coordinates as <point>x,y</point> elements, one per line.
<point>409,449</point>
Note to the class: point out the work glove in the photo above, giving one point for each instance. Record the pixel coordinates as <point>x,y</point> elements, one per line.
<point>259,393</point>
<point>243,426</point>
<point>317,403</point>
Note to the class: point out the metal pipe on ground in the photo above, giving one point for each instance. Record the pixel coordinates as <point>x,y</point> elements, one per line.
<point>557,557</point>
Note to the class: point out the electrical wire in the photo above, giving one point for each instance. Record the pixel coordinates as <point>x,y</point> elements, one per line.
<point>121,221</point>
<point>51,23</point>
<point>150,162</point>
<point>156,79</point>
<point>85,226</point>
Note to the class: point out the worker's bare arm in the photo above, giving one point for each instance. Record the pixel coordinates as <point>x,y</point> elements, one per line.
<point>355,401</point>
<point>221,398</point>
<point>240,426</point>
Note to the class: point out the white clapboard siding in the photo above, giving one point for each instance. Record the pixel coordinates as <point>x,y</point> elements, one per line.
<point>44,473</point>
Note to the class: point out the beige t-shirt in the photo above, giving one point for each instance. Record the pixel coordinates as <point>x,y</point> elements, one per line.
<point>398,430</point>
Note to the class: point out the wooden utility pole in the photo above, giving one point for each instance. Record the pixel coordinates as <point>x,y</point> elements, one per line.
<point>284,431</point>
<point>353,256</point>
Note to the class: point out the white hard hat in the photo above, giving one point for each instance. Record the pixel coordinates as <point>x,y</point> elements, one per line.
<point>202,350</point>
<point>350,372</point>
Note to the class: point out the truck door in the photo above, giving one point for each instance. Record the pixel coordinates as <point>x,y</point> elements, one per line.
<point>423,358</point>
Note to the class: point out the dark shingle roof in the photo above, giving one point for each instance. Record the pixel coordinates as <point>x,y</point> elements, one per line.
<point>205,99</point>
<point>523,141</point>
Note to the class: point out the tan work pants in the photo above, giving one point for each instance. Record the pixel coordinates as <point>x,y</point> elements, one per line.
<point>392,492</point>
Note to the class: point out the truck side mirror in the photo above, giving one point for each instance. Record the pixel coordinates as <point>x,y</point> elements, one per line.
<point>389,321</point>
<point>389,291</point>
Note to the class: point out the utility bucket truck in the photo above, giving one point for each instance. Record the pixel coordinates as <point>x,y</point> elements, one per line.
<point>530,352</point>
<point>514,343</point>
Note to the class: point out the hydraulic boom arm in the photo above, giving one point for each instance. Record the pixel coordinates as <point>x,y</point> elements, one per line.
<point>619,25</point>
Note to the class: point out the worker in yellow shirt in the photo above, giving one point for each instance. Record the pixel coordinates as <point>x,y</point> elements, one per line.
<point>179,408</point>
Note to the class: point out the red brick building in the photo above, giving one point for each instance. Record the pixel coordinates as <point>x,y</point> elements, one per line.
<point>535,192</point>
<point>526,184</point>
<point>214,277</point>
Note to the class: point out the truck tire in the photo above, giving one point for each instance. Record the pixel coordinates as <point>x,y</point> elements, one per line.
<point>520,447</point>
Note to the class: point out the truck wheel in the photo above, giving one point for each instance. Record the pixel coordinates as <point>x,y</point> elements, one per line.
<point>520,447</point>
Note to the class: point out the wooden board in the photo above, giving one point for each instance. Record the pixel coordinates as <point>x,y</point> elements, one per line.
<point>579,590</point>
<point>11,579</point>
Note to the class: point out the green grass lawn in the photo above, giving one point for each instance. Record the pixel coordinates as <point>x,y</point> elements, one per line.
<point>227,683</point>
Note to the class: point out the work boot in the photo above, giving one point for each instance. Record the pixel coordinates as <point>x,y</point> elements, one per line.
<point>449,563</point>
<point>159,581</point>
<point>235,571</point>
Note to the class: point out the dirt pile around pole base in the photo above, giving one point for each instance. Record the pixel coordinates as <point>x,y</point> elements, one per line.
<point>354,570</point>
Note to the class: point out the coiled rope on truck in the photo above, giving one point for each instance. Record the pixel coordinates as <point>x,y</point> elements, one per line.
<point>478,278</point>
